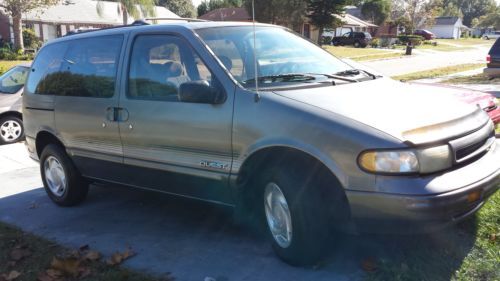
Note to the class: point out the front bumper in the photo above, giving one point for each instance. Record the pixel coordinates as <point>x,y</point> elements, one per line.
<point>468,189</point>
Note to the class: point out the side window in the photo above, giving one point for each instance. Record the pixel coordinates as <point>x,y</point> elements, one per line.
<point>90,66</point>
<point>159,64</point>
<point>48,61</point>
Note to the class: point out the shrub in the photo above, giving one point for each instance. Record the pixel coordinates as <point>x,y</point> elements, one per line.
<point>31,41</point>
<point>327,40</point>
<point>375,43</point>
<point>415,40</point>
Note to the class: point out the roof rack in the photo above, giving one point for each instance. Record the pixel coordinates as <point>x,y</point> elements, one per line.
<point>176,19</point>
<point>135,23</point>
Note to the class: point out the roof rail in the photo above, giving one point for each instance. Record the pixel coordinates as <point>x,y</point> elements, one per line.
<point>175,19</point>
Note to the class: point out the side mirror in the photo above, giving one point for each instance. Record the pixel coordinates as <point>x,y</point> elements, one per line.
<point>200,92</point>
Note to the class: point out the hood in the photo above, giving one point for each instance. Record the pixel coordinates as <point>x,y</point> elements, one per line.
<point>10,102</point>
<point>396,108</point>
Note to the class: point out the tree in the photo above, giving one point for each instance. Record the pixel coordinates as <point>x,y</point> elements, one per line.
<point>322,14</point>
<point>491,19</point>
<point>210,5</point>
<point>376,10</point>
<point>132,7</point>
<point>16,8</point>
<point>472,9</point>
<point>416,12</point>
<point>451,10</point>
<point>283,12</point>
<point>182,8</point>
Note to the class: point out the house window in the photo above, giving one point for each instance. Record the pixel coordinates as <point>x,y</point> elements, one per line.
<point>307,30</point>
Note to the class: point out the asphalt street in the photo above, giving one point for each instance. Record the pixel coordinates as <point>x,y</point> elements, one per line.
<point>189,239</point>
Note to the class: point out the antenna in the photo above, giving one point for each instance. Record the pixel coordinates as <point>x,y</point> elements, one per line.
<point>255,53</point>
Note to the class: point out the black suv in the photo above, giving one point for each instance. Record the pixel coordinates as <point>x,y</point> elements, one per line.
<point>493,59</point>
<point>357,39</point>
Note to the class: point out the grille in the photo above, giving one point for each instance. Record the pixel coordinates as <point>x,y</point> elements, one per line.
<point>464,152</point>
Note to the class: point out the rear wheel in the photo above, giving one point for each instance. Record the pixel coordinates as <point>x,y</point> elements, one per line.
<point>357,44</point>
<point>296,214</point>
<point>11,130</point>
<point>62,181</point>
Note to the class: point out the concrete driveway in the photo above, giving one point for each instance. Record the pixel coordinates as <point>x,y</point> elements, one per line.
<point>189,239</point>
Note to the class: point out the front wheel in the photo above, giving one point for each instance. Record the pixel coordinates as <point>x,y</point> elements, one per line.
<point>11,130</point>
<point>357,44</point>
<point>296,216</point>
<point>62,181</point>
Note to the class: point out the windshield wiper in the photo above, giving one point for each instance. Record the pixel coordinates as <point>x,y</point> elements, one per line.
<point>353,72</point>
<point>289,77</point>
<point>336,76</point>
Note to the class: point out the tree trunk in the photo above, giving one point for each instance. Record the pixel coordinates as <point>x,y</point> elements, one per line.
<point>18,30</point>
<point>320,38</point>
<point>124,15</point>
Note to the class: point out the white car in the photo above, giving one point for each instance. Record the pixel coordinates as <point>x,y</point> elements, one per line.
<point>491,35</point>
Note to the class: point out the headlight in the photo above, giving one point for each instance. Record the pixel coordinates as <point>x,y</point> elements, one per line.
<point>406,161</point>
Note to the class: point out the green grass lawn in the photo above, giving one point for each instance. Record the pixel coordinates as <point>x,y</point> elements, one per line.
<point>438,72</point>
<point>33,259</point>
<point>6,64</point>
<point>469,251</point>
<point>362,54</point>
<point>466,41</point>
<point>474,79</point>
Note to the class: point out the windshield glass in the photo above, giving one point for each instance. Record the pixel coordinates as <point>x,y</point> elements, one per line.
<point>13,80</point>
<point>279,52</point>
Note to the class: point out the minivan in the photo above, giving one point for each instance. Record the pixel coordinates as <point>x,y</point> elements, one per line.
<point>259,119</point>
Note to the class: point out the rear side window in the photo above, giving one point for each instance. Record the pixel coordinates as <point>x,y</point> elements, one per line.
<point>87,69</point>
<point>496,48</point>
<point>48,61</point>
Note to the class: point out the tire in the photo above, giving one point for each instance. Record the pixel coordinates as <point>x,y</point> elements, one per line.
<point>357,44</point>
<point>310,232</point>
<point>11,130</point>
<point>62,181</point>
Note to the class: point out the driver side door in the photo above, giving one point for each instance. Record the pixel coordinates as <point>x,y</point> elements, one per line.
<point>170,145</point>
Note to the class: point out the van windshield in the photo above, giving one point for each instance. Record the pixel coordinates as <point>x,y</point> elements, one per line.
<point>13,80</point>
<point>279,53</point>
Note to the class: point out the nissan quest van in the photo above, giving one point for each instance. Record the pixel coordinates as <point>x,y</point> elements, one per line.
<point>259,119</point>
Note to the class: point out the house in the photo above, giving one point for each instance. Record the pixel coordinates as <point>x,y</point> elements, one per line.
<point>57,20</point>
<point>448,27</point>
<point>227,14</point>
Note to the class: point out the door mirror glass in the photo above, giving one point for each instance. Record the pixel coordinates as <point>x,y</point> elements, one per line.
<point>200,92</point>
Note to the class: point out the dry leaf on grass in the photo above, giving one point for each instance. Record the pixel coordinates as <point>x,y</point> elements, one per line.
<point>92,256</point>
<point>11,276</point>
<point>493,236</point>
<point>117,258</point>
<point>369,264</point>
<point>68,266</point>
<point>18,254</point>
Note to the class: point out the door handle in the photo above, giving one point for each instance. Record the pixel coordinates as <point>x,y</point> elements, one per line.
<point>116,114</point>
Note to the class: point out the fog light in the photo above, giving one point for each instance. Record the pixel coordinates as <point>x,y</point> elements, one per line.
<point>474,196</point>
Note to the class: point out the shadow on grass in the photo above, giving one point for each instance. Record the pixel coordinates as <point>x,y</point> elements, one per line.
<point>192,240</point>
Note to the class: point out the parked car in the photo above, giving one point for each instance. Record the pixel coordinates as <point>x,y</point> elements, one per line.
<point>11,88</point>
<point>491,35</point>
<point>295,138</point>
<point>426,34</point>
<point>493,61</point>
<point>357,39</point>
<point>484,100</point>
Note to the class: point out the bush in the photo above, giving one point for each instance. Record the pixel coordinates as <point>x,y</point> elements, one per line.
<point>375,43</point>
<point>415,40</point>
<point>31,41</point>
<point>327,40</point>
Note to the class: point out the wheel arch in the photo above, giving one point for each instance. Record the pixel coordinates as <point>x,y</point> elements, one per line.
<point>43,138</point>
<point>259,158</point>
<point>11,113</point>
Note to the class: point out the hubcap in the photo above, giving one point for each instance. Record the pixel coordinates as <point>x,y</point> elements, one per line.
<point>10,130</point>
<point>55,176</point>
<point>278,215</point>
